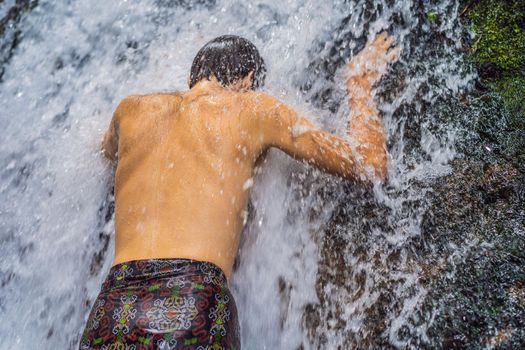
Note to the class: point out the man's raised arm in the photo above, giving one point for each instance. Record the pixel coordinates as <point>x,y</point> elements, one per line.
<point>364,70</point>
<point>281,127</point>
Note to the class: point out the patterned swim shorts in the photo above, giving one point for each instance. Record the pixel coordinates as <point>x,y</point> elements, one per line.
<point>163,304</point>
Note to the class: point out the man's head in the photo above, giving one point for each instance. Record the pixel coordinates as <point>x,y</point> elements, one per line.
<point>228,58</point>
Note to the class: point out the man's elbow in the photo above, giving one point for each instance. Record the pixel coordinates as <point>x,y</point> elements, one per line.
<point>108,154</point>
<point>380,167</point>
<point>373,167</point>
<point>381,172</point>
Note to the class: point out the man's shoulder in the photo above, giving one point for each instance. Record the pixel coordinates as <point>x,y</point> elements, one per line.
<point>133,103</point>
<point>259,100</point>
<point>151,97</point>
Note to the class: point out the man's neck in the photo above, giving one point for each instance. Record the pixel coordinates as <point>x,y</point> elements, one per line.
<point>212,85</point>
<point>205,85</point>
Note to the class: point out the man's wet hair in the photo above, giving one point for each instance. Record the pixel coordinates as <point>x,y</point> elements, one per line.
<point>228,58</point>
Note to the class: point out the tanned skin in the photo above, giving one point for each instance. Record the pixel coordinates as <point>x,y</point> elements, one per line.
<point>185,160</point>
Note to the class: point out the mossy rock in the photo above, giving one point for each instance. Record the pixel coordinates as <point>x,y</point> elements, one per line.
<point>497,48</point>
<point>499,30</point>
<point>512,90</point>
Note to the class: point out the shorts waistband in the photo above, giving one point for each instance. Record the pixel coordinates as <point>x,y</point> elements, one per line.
<point>141,271</point>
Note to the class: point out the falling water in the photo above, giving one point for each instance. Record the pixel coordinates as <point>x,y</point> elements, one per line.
<point>66,64</point>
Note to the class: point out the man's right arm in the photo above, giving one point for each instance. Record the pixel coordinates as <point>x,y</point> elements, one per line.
<point>365,128</point>
<point>282,128</point>
<point>279,126</point>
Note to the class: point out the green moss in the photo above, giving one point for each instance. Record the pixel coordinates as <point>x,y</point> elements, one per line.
<point>512,89</point>
<point>432,16</point>
<point>498,48</point>
<point>499,34</point>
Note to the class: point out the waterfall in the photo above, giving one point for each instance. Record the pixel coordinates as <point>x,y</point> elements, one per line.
<point>66,65</point>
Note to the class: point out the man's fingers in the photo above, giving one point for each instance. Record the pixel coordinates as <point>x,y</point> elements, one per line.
<point>393,54</point>
<point>389,41</point>
<point>383,35</point>
<point>382,41</point>
<point>377,55</point>
<point>380,38</point>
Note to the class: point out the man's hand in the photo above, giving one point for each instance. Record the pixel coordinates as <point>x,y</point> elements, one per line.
<point>365,69</point>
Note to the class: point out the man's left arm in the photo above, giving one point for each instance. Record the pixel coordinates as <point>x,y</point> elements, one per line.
<point>109,146</point>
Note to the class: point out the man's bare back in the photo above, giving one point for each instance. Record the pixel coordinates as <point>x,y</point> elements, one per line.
<point>186,161</point>
<point>185,164</point>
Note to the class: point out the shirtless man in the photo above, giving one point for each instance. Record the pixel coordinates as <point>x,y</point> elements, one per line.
<point>185,161</point>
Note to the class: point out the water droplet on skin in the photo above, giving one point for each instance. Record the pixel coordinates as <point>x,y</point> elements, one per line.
<point>171,165</point>
<point>244,216</point>
<point>298,129</point>
<point>140,227</point>
<point>247,184</point>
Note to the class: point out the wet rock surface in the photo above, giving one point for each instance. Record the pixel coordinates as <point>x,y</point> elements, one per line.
<point>477,294</point>
<point>468,257</point>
